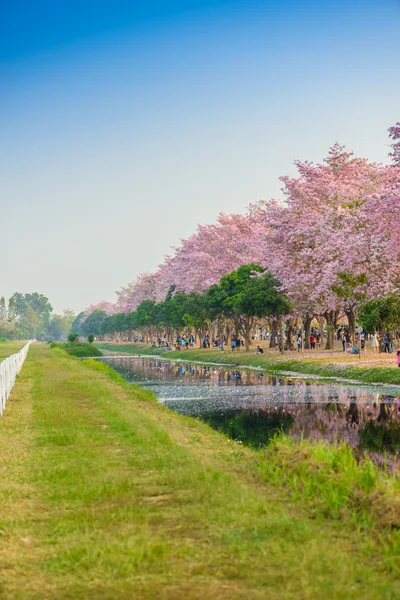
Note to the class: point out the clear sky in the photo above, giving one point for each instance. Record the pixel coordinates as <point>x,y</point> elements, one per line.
<point>123,124</point>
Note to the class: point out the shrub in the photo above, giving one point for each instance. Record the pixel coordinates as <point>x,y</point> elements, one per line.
<point>91,338</point>
<point>72,337</point>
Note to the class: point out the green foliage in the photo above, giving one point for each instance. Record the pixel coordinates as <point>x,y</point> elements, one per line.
<point>245,294</point>
<point>352,288</point>
<point>72,337</point>
<point>94,322</point>
<point>7,319</point>
<point>381,313</point>
<point>30,324</point>
<point>58,327</point>
<point>76,324</point>
<point>90,338</point>
<point>37,302</point>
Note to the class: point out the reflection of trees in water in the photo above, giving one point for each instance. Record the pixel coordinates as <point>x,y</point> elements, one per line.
<point>382,433</point>
<point>353,414</point>
<point>322,412</point>
<point>252,428</point>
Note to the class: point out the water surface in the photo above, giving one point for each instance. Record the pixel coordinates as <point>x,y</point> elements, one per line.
<point>250,406</point>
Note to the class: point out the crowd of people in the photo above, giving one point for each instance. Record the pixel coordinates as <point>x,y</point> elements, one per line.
<point>376,341</point>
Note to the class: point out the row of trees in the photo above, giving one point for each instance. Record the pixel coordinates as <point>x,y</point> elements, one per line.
<point>28,316</point>
<point>333,243</point>
<point>234,305</point>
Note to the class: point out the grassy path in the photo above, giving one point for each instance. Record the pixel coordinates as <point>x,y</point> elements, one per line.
<point>105,494</point>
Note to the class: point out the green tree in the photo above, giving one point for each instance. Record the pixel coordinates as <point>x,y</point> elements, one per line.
<point>93,323</point>
<point>352,290</point>
<point>12,310</point>
<point>146,315</point>
<point>69,315</point>
<point>196,315</point>
<point>37,302</point>
<point>6,322</point>
<point>381,314</point>
<point>58,327</point>
<point>30,323</point>
<point>245,294</point>
<point>90,338</point>
<point>76,325</point>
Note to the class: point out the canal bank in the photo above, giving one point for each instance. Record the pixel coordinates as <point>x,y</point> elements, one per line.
<point>107,494</point>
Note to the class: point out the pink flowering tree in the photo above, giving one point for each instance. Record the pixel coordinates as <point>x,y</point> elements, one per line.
<point>211,252</point>
<point>142,288</point>
<point>108,307</point>
<point>324,229</point>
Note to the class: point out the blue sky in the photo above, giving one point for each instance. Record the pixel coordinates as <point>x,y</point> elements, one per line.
<point>124,124</point>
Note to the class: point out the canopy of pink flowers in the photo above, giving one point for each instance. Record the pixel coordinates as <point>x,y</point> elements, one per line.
<point>342,215</point>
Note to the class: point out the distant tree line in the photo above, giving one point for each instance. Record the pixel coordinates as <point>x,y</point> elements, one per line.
<point>29,316</point>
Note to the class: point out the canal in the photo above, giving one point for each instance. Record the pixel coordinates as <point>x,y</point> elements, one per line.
<point>251,406</point>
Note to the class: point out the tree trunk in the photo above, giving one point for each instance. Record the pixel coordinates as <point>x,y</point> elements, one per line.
<point>228,333</point>
<point>274,331</point>
<point>248,326</point>
<point>353,414</point>
<point>289,334</point>
<point>307,331</point>
<point>351,317</point>
<point>329,316</point>
<point>282,343</point>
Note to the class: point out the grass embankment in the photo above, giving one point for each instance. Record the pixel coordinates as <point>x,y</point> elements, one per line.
<point>106,494</point>
<point>321,365</point>
<point>8,348</point>
<point>78,349</point>
<point>142,349</point>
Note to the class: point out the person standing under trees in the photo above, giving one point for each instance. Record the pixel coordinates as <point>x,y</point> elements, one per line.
<point>374,342</point>
<point>298,342</point>
<point>312,341</point>
<point>386,343</point>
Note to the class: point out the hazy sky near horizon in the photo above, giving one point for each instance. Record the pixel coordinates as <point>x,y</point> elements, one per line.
<point>124,124</point>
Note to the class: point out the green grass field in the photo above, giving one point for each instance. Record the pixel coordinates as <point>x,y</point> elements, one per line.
<point>106,494</point>
<point>8,348</point>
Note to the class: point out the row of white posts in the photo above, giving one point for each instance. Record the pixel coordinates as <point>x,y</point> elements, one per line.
<point>9,369</point>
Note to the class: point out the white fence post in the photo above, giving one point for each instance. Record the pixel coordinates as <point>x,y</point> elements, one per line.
<point>9,369</point>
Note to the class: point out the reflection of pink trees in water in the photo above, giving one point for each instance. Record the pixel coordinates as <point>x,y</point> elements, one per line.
<point>372,429</point>
<point>368,422</point>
